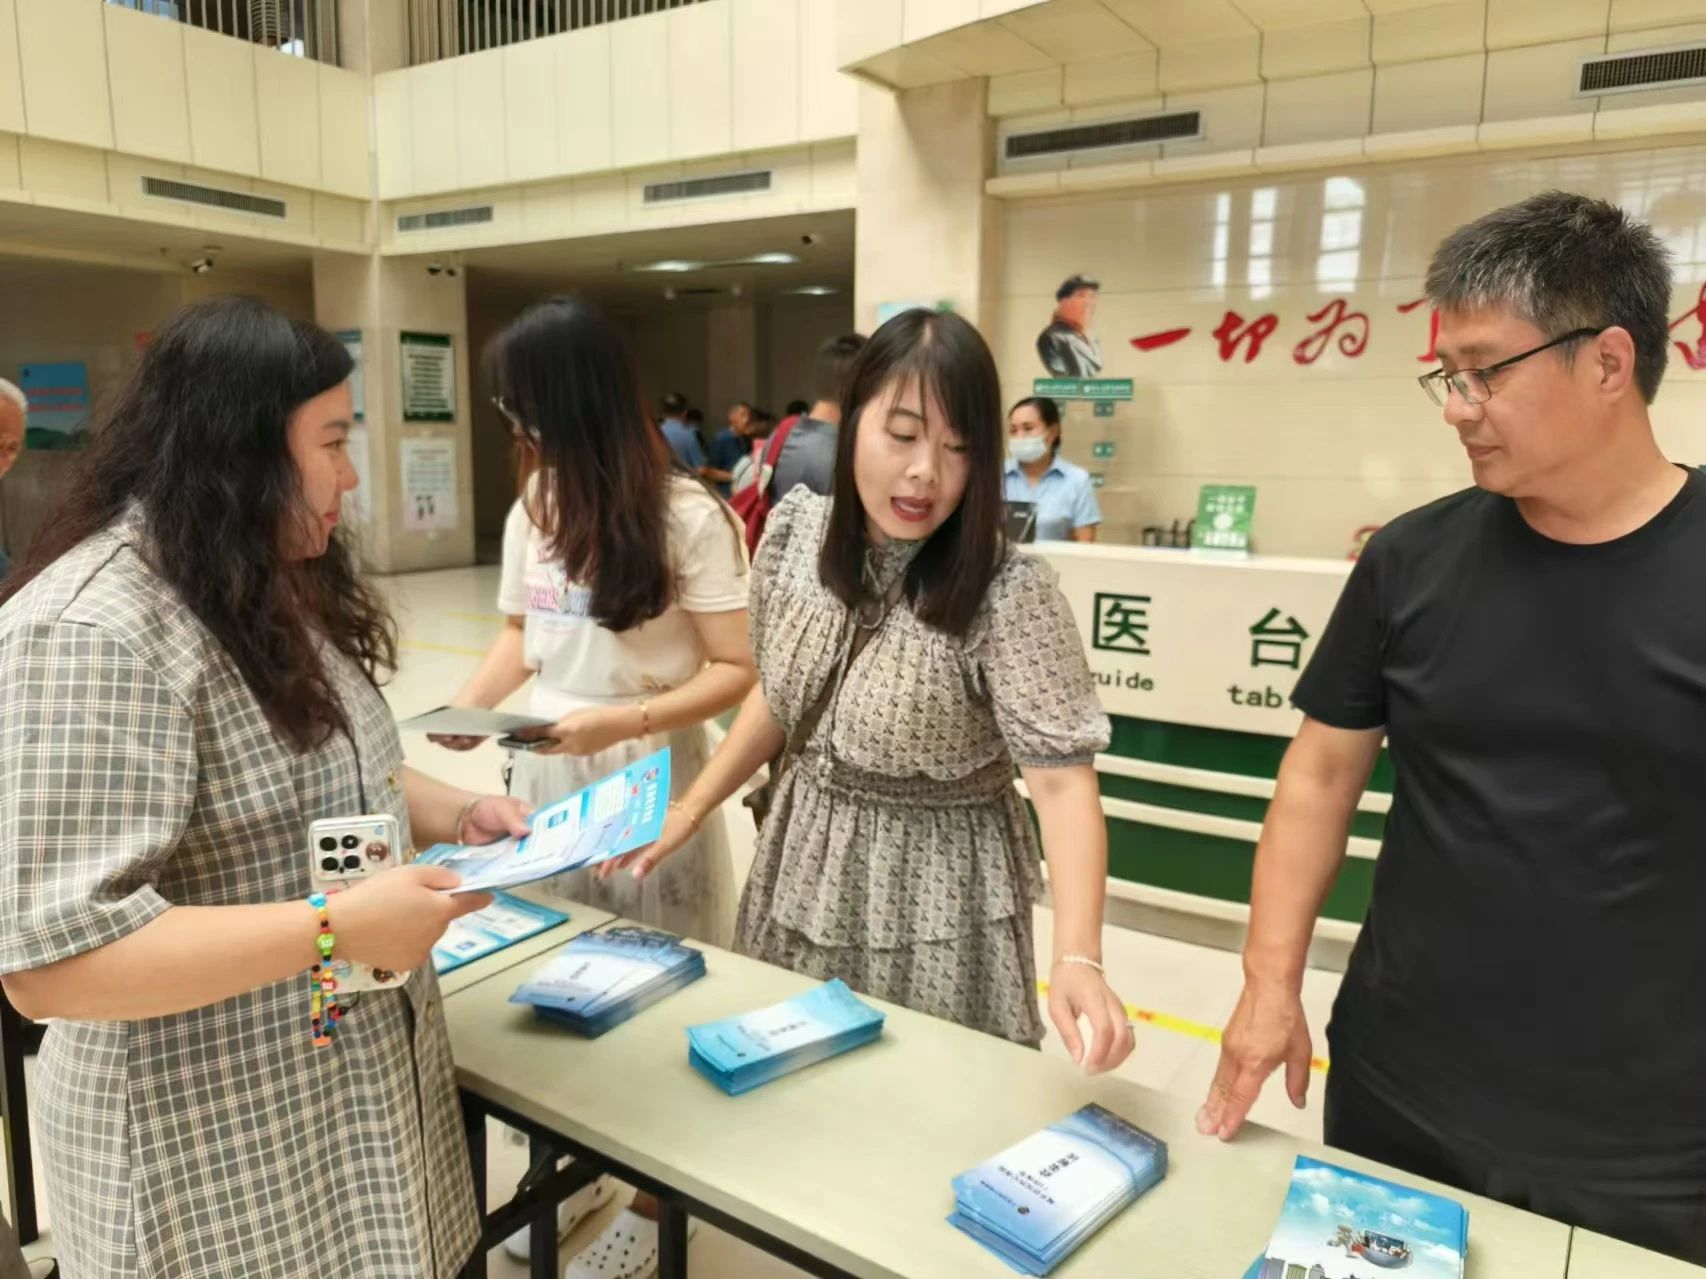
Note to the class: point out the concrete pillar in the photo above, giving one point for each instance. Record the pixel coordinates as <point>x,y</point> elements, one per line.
<point>731,369</point>
<point>927,231</point>
<point>383,298</point>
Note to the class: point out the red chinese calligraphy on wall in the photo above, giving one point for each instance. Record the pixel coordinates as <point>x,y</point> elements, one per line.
<point>1155,341</point>
<point>1334,316</point>
<point>1431,355</point>
<point>1233,331</point>
<point>1695,355</point>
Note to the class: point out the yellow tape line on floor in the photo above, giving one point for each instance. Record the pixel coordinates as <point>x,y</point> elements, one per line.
<point>1180,1026</point>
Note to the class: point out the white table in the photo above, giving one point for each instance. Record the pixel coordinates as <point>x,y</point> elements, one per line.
<point>1597,1257</point>
<point>844,1169</point>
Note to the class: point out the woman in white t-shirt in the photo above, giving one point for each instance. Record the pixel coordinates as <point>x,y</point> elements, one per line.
<point>624,586</point>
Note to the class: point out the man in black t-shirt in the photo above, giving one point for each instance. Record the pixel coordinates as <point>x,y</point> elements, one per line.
<point>1524,1015</point>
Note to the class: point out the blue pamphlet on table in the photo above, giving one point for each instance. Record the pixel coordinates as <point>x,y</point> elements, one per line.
<point>618,815</point>
<point>741,1053</point>
<point>601,979</point>
<point>1037,1202</point>
<point>1337,1224</point>
<point>506,921</point>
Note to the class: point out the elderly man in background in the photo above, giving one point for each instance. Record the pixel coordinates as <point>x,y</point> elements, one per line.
<point>14,408</point>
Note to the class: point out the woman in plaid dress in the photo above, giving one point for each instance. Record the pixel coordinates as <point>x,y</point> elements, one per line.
<point>187,667</point>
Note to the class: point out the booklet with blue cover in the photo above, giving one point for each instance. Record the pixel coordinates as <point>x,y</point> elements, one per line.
<point>618,815</point>
<point>601,979</point>
<point>741,1053</point>
<point>1036,1202</point>
<point>506,921</point>
<point>1339,1224</point>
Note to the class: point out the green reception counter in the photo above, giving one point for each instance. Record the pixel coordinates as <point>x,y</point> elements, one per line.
<point>1195,656</point>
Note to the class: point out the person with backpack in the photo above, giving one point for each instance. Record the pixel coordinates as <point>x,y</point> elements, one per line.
<point>801,451</point>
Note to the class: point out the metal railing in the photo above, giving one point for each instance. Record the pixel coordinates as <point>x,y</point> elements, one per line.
<point>302,28</point>
<point>441,29</point>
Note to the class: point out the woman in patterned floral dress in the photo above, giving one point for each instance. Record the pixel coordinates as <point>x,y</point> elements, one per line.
<point>908,658</point>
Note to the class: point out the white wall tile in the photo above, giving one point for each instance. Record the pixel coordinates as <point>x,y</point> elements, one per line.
<point>1633,15</point>
<point>530,118</point>
<point>1539,80</point>
<point>700,83</point>
<point>1232,119</point>
<point>224,130</point>
<point>287,113</point>
<point>346,141</point>
<point>63,171</point>
<point>767,78</point>
<point>1428,95</point>
<point>1511,23</point>
<point>482,158</point>
<point>393,135</point>
<point>585,134</point>
<point>1213,64</point>
<point>640,89</point>
<point>829,101</point>
<point>1318,108</point>
<point>1132,75</point>
<point>63,52</point>
<point>432,127</point>
<point>11,87</point>
<point>1318,49</point>
<point>1438,31</point>
<point>1026,91</point>
<point>922,19</point>
<point>145,62</point>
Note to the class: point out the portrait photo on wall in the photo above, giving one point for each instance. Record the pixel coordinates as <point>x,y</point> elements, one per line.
<point>1067,347</point>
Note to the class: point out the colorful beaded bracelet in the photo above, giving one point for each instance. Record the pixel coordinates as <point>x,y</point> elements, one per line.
<point>323,1012</point>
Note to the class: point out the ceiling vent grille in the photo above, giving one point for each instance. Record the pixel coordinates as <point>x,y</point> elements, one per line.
<point>261,206</point>
<point>441,219</point>
<point>1176,126</point>
<point>1671,68</point>
<point>709,188</point>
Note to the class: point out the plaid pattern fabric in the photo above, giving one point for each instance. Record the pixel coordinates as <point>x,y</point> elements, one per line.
<point>137,773</point>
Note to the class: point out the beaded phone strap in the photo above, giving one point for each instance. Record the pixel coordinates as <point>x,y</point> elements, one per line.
<point>323,1012</point>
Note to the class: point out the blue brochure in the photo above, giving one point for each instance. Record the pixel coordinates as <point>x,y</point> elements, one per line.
<point>741,1053</point>
<point>601,979</point>
<point>506,921</point>
<point>1337,1223</point>
<point>618,815</point>
<point>1037,1202</point>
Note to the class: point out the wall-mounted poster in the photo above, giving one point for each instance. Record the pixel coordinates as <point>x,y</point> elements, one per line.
<point>429,377</point>
<point>59,405</point>
<point>1067,347</point>
<point>429,485</point>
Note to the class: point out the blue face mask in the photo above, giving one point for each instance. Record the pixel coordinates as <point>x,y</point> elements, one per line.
<point>1025,449</point>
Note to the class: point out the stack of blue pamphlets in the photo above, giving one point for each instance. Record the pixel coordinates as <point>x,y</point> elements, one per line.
<point>506,921</point>
<point>741,1053</point>
<point>601,979</point>
<point>1337,1224</point>
<point>1036,1202</point>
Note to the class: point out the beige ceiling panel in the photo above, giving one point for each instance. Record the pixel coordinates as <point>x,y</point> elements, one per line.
<point>1076,31</point>
<point>1318,50</point>
<point>1112,79</point>
<point>1276,15</point>
<point>1171,22</point>
<point>1513,23</point>
<point>1213,64</point>
<point>1632,15</point>
<point>1438,31</point>
<point>988,48</point>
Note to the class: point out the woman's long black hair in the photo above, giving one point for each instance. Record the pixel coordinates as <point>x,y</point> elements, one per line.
<point>198,440</point>
<point>563,373</point>
<point>948,579</point>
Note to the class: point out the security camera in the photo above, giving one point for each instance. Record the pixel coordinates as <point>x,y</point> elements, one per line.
<point>202,265</point>
<point>810,238</point>
<point>435,268</point>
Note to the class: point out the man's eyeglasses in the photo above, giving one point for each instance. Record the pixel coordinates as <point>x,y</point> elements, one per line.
<point>518,430</point>
<point>1472,384</point>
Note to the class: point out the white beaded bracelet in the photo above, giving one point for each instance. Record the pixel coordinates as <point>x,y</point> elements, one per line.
<point>1085,960</point>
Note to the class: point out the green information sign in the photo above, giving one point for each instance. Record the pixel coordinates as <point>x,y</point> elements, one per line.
<point>1072,388</point>
<point>1104,408</point>
<point>1102,448</point>
<point>429,377</point>
<point>1224,516</point>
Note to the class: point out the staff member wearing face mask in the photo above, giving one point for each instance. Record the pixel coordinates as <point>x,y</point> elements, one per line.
<point>1036,473</point>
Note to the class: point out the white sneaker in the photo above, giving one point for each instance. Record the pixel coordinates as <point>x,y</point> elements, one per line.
<point>570,1213</point>
<point>628,1249</point>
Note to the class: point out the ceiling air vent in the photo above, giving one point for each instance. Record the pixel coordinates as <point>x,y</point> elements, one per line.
<point>441,219</point>
<point>1671,68</point>
<point>1176,126</point>
<point>261,206</point>
<point>707,188</point>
